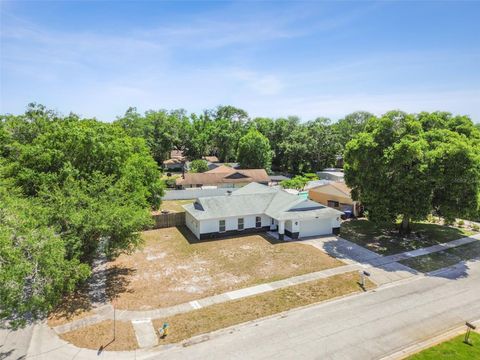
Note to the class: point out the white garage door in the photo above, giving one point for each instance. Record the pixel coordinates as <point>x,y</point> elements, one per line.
<point>315,227</point>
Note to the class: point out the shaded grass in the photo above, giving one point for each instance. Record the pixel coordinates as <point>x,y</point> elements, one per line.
<point>441,259</point>
<point>100,336</point>
<point>219,316</point>
<point>174,267</point>
<point>454,349</point>
<point>387,241</point>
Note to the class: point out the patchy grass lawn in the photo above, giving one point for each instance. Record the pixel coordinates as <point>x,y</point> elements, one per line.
<point>100,336</point>
<point>386,241</point>
<point>219,316</point>
<point>174,267</point>
<point>441,259</point>
<point>454,349</point>
<point>175,205</point>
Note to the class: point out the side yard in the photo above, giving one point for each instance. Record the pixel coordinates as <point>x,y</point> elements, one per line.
<point>441,259</point>
<point>175,205</point>
<point>386,241</point>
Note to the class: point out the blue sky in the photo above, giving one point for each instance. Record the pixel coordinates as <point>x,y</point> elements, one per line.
<point>272,58</point>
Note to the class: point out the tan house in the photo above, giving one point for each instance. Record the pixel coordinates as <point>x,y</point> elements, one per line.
<point>336,195</point>
<point>223,177</point>
<point>176,160</point>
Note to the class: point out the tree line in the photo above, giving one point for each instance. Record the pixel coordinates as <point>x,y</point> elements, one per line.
<point>282,145</point>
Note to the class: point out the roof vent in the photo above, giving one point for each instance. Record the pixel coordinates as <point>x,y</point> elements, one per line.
<point>229,192</point>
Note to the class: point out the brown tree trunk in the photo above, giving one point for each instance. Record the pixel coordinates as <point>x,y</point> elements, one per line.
<point>405,225</point>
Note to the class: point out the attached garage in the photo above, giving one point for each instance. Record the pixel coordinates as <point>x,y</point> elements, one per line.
<point>315,227</point>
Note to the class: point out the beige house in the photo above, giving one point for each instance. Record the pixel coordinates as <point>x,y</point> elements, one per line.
<point>223,177</point>
<point>335,195</point>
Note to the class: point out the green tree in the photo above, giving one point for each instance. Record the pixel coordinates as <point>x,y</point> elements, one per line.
<point>34,271</point>
<point>406,166</point>
<point>254,151</point>
<point>198,166</point>
<point>350,125</point>
<point>323,145</point>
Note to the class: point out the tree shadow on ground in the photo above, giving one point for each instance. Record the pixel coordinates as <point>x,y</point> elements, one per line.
<point>386,240</point>
<point>118,279</point>
<point>338,249</point>
<point>73,304</point>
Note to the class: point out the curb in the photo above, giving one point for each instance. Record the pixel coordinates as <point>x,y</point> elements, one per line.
<point>415,348</point>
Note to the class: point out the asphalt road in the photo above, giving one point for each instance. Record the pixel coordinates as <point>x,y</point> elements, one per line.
<point>369,326</point>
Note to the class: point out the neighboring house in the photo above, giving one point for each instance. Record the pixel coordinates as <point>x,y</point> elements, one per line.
<point>223,177</point>
<point>335,195</point>
<point>256,208</point>
<point>333,174</point>
<point>315,183</point>
<point>211,159</point>
<point>214,165</point>
<point>277,179</point>
<point>176,161</point>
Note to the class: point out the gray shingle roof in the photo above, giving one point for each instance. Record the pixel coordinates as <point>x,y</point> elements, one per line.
<point>254,199</point>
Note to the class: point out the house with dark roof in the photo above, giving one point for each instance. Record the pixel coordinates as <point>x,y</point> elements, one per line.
<point>256,208</point>
<point>223,177</point>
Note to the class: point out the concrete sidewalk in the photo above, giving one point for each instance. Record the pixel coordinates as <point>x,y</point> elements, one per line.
<point>367,326</point>
<point>131,315</point>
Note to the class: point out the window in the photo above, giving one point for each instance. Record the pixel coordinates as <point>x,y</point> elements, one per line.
<point>240,224</point>
<point>258,222</point>
<point>221,226</point>
<point>273,221</point>
<point>334,204</point>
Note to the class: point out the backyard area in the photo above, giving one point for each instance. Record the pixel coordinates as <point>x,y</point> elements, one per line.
<point>173,267</point>
<point>441,259</point>
<point>454,349</point>
<point>175,205</point>
<point>387,241</point>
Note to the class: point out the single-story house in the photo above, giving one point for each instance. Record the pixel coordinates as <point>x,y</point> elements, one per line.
<point>256,208</point>
<point>333,174</point>
<point>223,177</point>
<point>335,194</point>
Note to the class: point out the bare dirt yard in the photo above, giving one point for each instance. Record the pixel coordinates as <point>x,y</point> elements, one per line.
<point>173,267</point>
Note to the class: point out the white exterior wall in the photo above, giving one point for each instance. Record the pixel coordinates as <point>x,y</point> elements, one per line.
<point>231,223</point>
<point>192,224</point>
<point>336,221</point>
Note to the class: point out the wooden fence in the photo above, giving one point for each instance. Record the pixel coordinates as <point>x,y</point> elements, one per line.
<point>168,220</point>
